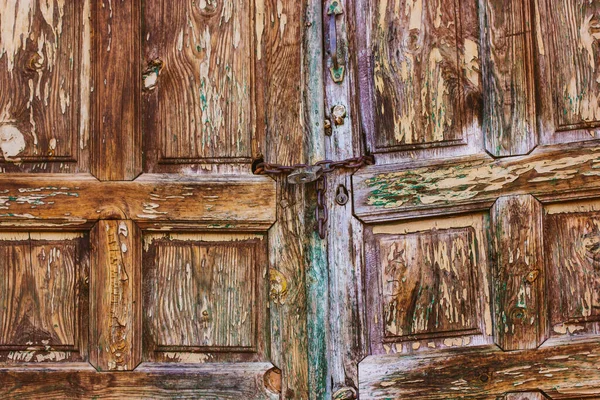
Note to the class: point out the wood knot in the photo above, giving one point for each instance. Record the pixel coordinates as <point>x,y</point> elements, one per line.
<point>151,73</point>
<point>208,8</point>
<point>272,380</point>
<point>518,315</point>
<point>345,393</point>
<point>278,283</point>
<point>532,275</point>
<point>35,63</point>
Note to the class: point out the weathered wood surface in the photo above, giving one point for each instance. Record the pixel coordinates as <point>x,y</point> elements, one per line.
<point>227,202</point>
<point>519,277</point>
<point>281,46</point>
<point>315,248</point>
<point>205,297</point>
<point>569,371</point>
<point>567,56</point>
<point>115,308</point>
<point>199,81</point>
<point>41,58</point>
<point>222,381</point>
<point>526,396</point>
<point>572,241</point>
<point>347,336</point>
<point>405,191</point>
<point>41,298</point>
<point>425,71</point>
<point>509,120</point>
<point>428,285</point>
<point>427,281</point>
<point>116,152</point>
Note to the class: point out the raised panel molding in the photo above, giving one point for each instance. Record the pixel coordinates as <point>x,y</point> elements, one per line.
<point>199,81</point>
<point>43,297</point>
<point>519,274</point>
<point>572,241</point>
<point>509,121</point>
<point>425,73</point>
<point>568,55</point>
<point>428,285</point>
<point>427,281</point>
<point>40,64</point>
<point>204,297</point>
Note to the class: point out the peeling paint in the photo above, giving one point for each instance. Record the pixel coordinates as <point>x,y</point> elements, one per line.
<point>12,142</point>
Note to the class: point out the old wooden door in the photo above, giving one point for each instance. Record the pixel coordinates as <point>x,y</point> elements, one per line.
<point>481,223</point>
<point>136,246</point>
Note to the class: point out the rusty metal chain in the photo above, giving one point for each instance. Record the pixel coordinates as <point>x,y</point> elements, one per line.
<point>306,173</point>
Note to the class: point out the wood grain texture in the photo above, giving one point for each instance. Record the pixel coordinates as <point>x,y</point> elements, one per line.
<point>525,396</point>
<point>428,285</point>
<point>427,189</point>
<point>40,50</point>
<point>427,281</point>
<point>317,271</point>
<point>575,43</point>
<point>116,145</point>
<point>281,47</point>
<point>42,301</point>
<point>572,242</point>
<point>115,323</point>
<point>425,73</point>
<point>567,53</point>
<point>519,276</point>
<point>347,336</point>
<point>245,203</point>
<point>20,325</point>
<point>199,81</point>
<point>569,371</point>
<point>509,119</point>
<point>205,297</point>
<point>222,381</point>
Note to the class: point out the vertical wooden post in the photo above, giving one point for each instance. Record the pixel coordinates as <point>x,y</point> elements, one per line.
<point>281,47</point>
<point>509,119</point>
<point>317,279</point>
<point>115,290</point>
<point>519,273</point>
<point>345,233</point>
<point>116,142</point>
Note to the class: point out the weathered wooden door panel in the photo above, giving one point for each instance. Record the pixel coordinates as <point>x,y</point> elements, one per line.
<point>568,51</point>
<point>480,255</point>
<point>200,83</point>
<point>44,297</point>
<point>136,246</point>
<point>45,87</point>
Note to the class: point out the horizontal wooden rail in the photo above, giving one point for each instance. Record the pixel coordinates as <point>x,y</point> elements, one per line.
<point>394,192</point>
<point>153,201</point>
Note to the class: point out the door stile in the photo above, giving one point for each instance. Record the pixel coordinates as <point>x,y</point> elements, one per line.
<point>347,340</point>
<point>116,135</point>
<point>317,279</point>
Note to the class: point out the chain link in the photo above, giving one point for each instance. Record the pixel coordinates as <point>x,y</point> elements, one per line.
<point>321,213</point>
<point>263,168</point>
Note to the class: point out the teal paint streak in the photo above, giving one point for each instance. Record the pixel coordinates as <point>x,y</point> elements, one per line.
<point>317,280</point>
